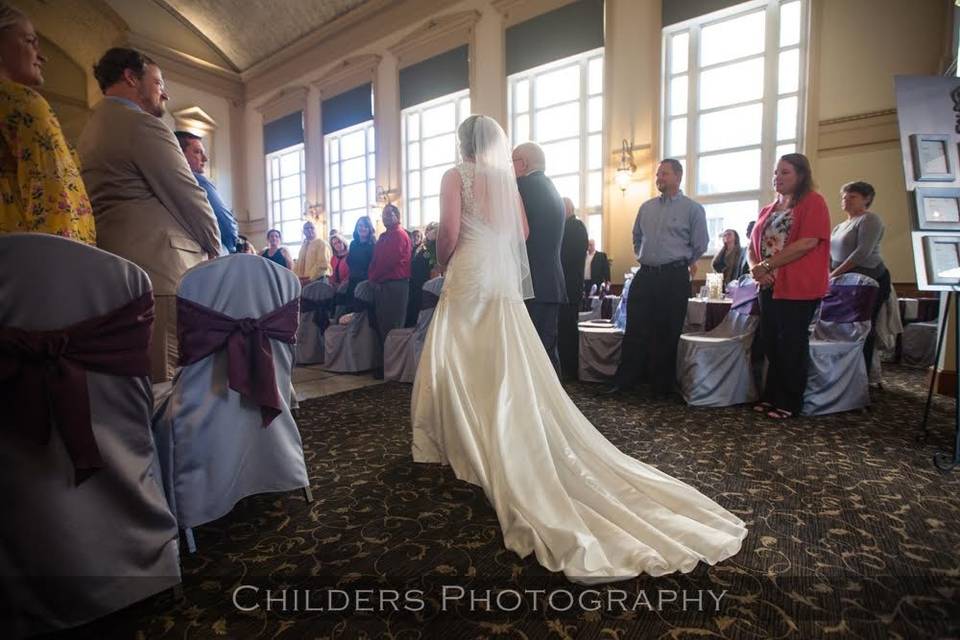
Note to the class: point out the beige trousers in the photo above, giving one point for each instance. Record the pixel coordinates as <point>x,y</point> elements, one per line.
<point>163,343</point>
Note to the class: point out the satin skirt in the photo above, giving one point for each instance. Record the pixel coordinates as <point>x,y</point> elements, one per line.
<point>487,402</point>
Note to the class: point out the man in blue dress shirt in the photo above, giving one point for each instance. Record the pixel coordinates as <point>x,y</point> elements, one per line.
<point>192,146</point>
<point>669,236</point>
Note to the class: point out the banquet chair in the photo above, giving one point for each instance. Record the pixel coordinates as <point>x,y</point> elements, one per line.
<point>86,529</point>
<point>919,344</point>
<point>355,346</point>
<point>837,373</point>
<point>401,352</point>
<point>226,431</point>
<point>599,350</point>
<point>316,305</point>
<point>714,368</point>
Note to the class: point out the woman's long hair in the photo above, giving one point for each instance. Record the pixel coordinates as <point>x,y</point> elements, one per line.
<point>731,258</point>
<point>801,165</point>
<point>373,232</point>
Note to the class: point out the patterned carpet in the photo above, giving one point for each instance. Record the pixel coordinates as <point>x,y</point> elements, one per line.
<point>853,533</point>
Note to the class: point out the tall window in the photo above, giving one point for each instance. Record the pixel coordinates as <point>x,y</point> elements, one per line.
<point>430,148</point>
<point>732,105</point>
<point>351,171</point>
<point>286,193</point>
<point>560,107</point>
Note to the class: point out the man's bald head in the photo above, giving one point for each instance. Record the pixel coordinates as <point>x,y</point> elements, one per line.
<point>527,158</point>
<point>568,207</point>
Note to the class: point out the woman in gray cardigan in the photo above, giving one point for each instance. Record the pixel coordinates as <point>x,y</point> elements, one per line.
<point>855,246</point>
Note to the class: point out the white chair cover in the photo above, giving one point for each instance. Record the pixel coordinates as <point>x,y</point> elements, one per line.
<point>309,338</point>
<point>620,313</point>
<point>837,373</point>
<point>600,343</point>
<point>594,313</point>
<point>353,347</point>
<point>70,554</point>
<point>403,347</point>
<point>911,309</point>
<point>714,368</point>
<point>919,344</point>
<point>213,449</point>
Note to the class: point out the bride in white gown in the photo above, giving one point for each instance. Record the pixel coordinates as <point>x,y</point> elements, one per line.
<point>487,401</point>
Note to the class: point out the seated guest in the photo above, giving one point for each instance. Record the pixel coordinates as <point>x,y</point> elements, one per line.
<point>420,267</point>
<point>361,253</point>
<point>596,268</point>
<point>390,271</point>
<point>731,260</point>
<point>314,259</point>
<point>275,252</point>
<point>339,269</point>
<point>39,180</point>
<point>192,146</point>
<point>855,246</point>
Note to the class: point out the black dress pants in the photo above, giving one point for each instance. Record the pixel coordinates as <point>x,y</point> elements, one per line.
<point>785,330</point>
<point>656,308</point>
<point>568,340</point>
<point>882,295</point>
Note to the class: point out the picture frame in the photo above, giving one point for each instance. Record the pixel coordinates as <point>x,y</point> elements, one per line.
<point>938,209</point>
<point>933,159</point>
<point>941,255</point>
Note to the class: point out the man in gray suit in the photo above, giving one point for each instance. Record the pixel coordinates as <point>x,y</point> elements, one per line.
<point>545,217</point>
<point>148,206</point>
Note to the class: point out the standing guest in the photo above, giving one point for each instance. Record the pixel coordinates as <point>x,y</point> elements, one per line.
<point>430,244</point>
<point>855,246</point>
<point>420,267</point>
<point>148,206</point>
<point>789,256</point>
<point>40,185</point>
<point>750,227</point>
<point>361,253</point>
<point>731,260</point>
<point>314,259</point>
<point>416,240</point>
<point>669,236</point>
<point>545,216</point>
<point>572,252</point>
<point>596,269</point>
<point>275,251</point>
<point>390,271</point>
<point>192,147</point>
<point>339,269</point>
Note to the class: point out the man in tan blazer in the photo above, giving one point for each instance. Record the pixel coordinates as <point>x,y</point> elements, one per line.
<point>148,206</point>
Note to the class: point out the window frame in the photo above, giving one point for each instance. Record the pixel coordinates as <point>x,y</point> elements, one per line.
<point>769,146</point>
<point>592,215</point>
<point>335,215</point>
<point>275,206</point>
<point>461,101</point>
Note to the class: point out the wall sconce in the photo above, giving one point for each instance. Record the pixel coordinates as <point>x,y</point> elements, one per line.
<point>386,196</point>
<point>624,174</point>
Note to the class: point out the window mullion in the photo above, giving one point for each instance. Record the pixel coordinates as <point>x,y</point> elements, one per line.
<point>771,85</point>
<point>693,106</point>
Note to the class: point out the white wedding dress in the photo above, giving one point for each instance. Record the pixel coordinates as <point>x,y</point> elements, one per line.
<point>487,401</point>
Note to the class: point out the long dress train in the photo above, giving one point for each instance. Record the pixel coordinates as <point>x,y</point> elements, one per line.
<point>487,401</point>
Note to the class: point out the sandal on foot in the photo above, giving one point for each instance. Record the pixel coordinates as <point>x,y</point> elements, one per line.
<point>779,414</point>
<point>762,407</point>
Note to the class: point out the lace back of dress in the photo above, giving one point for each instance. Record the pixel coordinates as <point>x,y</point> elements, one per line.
<point>467,174</point>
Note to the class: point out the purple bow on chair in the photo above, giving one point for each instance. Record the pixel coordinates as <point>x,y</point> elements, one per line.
<point>44,375</point>
<point>848,303</point>
<point>202,331</point>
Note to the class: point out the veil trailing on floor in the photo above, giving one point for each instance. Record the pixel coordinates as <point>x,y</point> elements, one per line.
<point>497,207</point>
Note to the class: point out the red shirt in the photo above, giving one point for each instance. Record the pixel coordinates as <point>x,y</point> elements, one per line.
<point>806,278</point>
<point>339,270</point>
<point>391,256</point>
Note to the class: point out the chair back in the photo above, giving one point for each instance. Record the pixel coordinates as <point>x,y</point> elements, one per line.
<point>746,297</point>
<point>53,527</point>
<point>223,450</point>
<point>845,312</point>
<point>316,307</point>
<point>620,313</point>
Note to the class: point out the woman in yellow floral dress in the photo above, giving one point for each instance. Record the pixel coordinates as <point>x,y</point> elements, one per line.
<point>40,185</point>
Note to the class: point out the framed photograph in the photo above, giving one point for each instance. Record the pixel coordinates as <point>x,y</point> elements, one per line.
<point>941,255</point>
<point>932,160</point>
<point>938,209</point>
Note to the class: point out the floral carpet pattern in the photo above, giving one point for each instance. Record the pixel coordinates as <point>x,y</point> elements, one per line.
<point>853,534</point>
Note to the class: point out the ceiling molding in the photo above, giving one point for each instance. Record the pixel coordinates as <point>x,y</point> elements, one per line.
<point>163,4</point>
<point>515,11</point>
<point>347,74</point>
<point>306,43</point>
<point>190,70</point>
<point>858,130</point>
<point>194,118</point>
<point>435,36</point>
<point>284,102</point>
<point>107,12</point>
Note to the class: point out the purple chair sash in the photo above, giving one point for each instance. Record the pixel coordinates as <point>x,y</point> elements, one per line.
<point>44,375</point>
<point>848,303</point>
<point>745,298</point>
<point>320,311</point>
<point>202,331</point>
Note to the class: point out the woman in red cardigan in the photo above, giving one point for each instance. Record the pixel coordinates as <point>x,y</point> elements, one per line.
<point>790,258</point>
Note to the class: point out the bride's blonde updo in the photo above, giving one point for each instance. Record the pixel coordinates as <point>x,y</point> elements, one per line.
<point>469,140</point>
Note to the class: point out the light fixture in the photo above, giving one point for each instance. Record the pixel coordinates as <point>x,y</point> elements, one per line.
<point>624,174</point>
<point>385,196</point>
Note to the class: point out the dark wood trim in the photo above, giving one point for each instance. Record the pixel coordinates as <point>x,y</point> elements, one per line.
<point>947,383</point>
